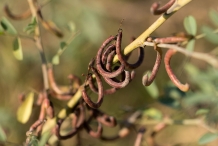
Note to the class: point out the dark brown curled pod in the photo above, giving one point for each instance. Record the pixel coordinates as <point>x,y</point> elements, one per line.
<point>22,16</point>
<point>168,40</point>
<point>106,52</point>
<point>95,89</point>
<point>167,58</point>
<point>99,64</point>
<point>146,81</point>
<point>157,10</point>
<point>95,134</point>
<point>110,58</point>
<point>69,135</point>
<point>115,84</point>
<point>121,57</point>
<point>100,92</point>
<point>107,120</point>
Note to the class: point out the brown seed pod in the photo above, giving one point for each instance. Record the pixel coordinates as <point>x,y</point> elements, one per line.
<point>95,134</point>
<point>146,81</point>
<point>77,123</point>
<point>121,57</point>
<point>110,58</point>
<point>100,92</point>
<point>95,89</point>
<point>155,10</point>
<point>99,64</point>
<point>168,55</point>
<point>106,52</point>
<point>169,40</point>
<point>107,120</point>
<point>116,84</point>
<point>22,16</point>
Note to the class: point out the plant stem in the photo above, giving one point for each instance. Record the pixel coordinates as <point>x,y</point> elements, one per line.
<point>38,42</point>
<point>140,40</point>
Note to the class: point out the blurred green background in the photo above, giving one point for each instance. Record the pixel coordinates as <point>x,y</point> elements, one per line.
<point>95,20</point>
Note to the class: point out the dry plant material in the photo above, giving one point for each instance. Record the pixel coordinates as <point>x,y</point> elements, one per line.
<point>157,10</point>
<point>22,16</point>
<point>168,55</point>
<point>122,58</point>
<point>146,81</point>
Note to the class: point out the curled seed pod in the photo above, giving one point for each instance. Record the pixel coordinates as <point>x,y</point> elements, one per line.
<point>122,84</point>
<point>95,89</point>
<point>69,135</point>
<point>132,75</point>
<point>139,137</point>
<point>168,40</point>
<point>146,81</point>
<point>22,16</point>
<point>52,82</point>
<point>106,52</point>
<point>36,124</point>
<point>155,10</point>
<point>107,120</point>
<point>95,134</point>
<point>110,58</point>
<point>100,92</point>
<point>121,57</point>
<point>99,64</point>
<point>168,55</point>
<point>80,118</point>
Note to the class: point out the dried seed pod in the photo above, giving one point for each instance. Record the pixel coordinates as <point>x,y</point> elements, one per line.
<point>110,58</point>
<point>22,16</point>
<point>155,10</point>
<point>95,89</point>
<point>121,57</point>
<point>168,40</point>
<point>168,55</point>
<point>100,92</point>
<point>77,124</point>
<point>139,137</point>
<point>106,120</point>
<point>116,84</point>
<point>99,64</point>
<point>106,52</point>
<point>146,81</point>
<point>95,134</point>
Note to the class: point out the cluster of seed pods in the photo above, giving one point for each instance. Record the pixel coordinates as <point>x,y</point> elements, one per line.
<point>101,66</point>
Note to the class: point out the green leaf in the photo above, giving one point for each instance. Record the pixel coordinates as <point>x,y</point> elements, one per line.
<point>214,16</point>
<point>55,60</point>
<point>7,26</point>
<point>190,25</point>
<point>17,49</point>
<point>202,111</point>
<point>3,136</point>
<point>208,137</point>
<point>210,35</point>
<point>30,28</point>
<point>25,110</point>
<point>63,45</point>
<point>152,90</point>
<point>153,113</point>
<point>190,46</point>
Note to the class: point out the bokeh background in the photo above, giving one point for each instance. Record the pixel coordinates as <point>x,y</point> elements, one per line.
<point>95,21</point>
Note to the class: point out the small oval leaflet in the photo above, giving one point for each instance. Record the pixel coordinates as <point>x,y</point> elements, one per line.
<point>7,26</point>
<point>213,14</point>
<point>17,49</point>
<point>190,25</point>
<point>208,137</point>
<point>210,35</point>
<point>25,110</point>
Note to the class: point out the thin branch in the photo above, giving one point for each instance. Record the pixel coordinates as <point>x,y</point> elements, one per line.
<point>197,55</point>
